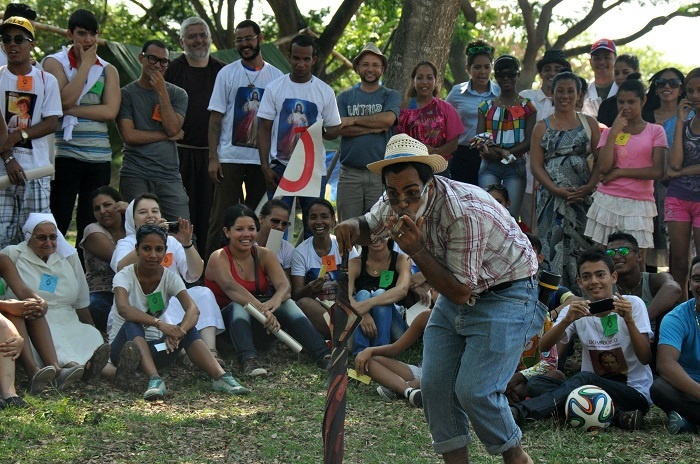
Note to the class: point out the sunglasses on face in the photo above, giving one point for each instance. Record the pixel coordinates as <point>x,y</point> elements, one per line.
<point>393,200</point>
<point>278,222</point>
<point>479,49</point>
<point>19,39</point>
<point>152,59</point>
<point>673,83</point>
<point>506,74</point>
<point>44,238</point>
<point>622,251</point>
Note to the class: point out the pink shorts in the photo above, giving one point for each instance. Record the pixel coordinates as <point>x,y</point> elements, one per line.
<point>676,210</point>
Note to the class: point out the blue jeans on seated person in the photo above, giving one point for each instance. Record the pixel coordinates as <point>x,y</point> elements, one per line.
<point>100,306</point>
<point>390,324</point>
<point>246,332</point>
<point>131,330</point>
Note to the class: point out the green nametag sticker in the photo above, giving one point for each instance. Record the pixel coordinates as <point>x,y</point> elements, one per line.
<point>609,323</point>
<point>2,287</point>
<point>386,279</point>
<point>156,305</point>
<point>98,88</point>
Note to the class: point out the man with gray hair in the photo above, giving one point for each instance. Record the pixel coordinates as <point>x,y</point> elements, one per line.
<point>195,71</point>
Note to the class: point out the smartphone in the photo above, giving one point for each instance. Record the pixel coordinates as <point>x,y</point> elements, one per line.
<point>173,227</point>
<point>601,306</point>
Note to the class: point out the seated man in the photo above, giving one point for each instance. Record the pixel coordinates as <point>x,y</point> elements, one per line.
<point>677,390</point>
<point>623,331</point>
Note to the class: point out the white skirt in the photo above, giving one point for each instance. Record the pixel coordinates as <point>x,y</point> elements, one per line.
<point>209,312</point>
<point>609,214</point>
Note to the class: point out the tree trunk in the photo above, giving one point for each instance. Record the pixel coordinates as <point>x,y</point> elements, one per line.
<point>424,33</point>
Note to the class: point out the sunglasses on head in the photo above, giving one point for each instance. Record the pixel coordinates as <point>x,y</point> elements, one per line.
<point>19,39</point>
<point>622,251</point>
<point>278,222</point>
<point>673,83</point>
<point>151,228</point>
<point>479,49</point>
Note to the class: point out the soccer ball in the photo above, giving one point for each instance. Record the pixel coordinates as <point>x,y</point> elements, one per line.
<point>589,408</point>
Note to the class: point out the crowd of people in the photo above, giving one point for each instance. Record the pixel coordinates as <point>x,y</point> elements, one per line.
<point>456,204</point>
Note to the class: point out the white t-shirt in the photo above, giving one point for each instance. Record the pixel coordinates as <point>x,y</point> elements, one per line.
<point>293,106</point>
<point>592,102</point>
<point>169,286</point>
<point>238,102</point>
<point>175,258</point>
<point>611,356</point>
<point>285,254</point>
<point>45,101</point>
<point>306,262</point>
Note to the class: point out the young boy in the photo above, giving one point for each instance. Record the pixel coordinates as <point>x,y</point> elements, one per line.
<point>623,331</point>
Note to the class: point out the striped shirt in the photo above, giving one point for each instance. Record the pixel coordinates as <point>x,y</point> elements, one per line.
<point>470,234</point>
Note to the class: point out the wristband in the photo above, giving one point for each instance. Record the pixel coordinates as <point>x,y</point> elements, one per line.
<point>417,252</point>
<point>189,246</point>
<point>8,159</point>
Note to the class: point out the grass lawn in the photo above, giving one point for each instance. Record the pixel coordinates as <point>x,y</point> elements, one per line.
<point>280,422</point>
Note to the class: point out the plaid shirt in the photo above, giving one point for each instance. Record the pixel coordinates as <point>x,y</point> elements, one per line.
<point>470,234</point>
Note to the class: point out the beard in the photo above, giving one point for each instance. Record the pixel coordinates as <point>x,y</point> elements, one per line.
<point>197,54</point>
<point>255,50</point>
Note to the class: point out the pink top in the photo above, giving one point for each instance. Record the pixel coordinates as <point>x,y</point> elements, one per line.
<point>435,124</point>
<point>637,153</point>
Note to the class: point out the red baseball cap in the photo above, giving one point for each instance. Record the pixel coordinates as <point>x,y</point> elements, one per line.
<point>604,44</point>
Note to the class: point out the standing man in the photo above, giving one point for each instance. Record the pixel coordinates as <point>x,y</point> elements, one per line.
<point>233,129</point>
<point>548,66</point>
<point>473,253</point>
<point>90,97</point>
<point>290,105</point>
<point>150,122</point>
<point>603,53</point>
<point>31,105</point>
<point>368,112</point>
<point>195,72</point>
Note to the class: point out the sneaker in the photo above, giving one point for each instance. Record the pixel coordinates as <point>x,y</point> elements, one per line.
<point>129,361</point>
<point>517,416</point>
<point>96,363</point>
<point>253,368</point>
<point>15,402</point>
<point>387,394</point>
<point>325,362</point>
<point>68,376</point>
<point>679,424</point>
<point>226,383</point>
<point>42,379</point>
<point>156,389</point>
<point>415,397</point>
<point>629,420</point>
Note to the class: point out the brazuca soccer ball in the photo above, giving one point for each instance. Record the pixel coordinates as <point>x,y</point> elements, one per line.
<point>589,408</point>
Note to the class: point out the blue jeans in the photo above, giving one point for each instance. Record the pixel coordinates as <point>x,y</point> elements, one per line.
<point>100,306</point>
<point>302,201</point>
<point>548,395</point>
<point>390,324</point>
<point>246,332</point>
<point>131,330</point>
<point>512,176</point>
<point>469,355</point>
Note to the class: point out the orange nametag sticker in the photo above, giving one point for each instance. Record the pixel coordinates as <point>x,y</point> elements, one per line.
<point>517,111</point>
<point>25,82</point>
<point>622,138</point>
<point>329,262</point>
<point>167,260</point>
<point>156,113</point>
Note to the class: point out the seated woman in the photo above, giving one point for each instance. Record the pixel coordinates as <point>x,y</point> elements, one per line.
<point>51,269</point>
<point>99,241</point>
<point>143,292</point>
<point>314,290</point>
<point>242,272</point>
<point>380,279</point>
<point>274,215</point>
<point>182,258</point>
<point>11,343</point>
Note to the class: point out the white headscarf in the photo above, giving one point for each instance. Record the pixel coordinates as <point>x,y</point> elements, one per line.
<point>63,248</point>
<point>129,226</point>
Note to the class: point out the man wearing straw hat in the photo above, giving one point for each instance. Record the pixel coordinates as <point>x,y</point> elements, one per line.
<point>473,253</point>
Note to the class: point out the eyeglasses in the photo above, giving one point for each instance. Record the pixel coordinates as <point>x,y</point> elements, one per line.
<point>19,39</point>
<point>278,222</point>
<point>479,49</point>
<point>506,74</point>
<point>622,251</point>
<point>152,228</point>
<point>44,238</point>
<point>661,82</point>
<point>152,59</point>
<point>249,38</point>
<point>408,199</point>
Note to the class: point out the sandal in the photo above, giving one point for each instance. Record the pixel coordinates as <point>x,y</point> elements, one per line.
<point>96,363</point>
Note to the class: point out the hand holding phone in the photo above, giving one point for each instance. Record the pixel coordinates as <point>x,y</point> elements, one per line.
<point>600,306</point>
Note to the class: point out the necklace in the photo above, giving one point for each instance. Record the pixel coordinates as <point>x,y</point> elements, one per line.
<point>251,85</point>
<point>631,290</point>
<point>376,270</point>
<point>240,265</point>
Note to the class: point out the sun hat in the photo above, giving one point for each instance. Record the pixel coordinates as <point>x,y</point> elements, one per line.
<point>603,44</point>
<point>370,47</point>
<point>552,56</point>
<point>405,149</point>
<point>20,22</point>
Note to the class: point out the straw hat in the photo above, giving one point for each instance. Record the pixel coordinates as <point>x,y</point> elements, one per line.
<point>405,149</point>
<point>370,47</point>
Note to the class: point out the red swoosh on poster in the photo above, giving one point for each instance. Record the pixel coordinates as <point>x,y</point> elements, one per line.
<point>296,185</point>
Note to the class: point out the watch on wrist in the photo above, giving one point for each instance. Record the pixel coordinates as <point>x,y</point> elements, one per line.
<point>8,159</point>
<point>25,136</point>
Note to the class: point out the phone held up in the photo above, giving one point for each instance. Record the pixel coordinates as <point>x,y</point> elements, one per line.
<point>601,306</point>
